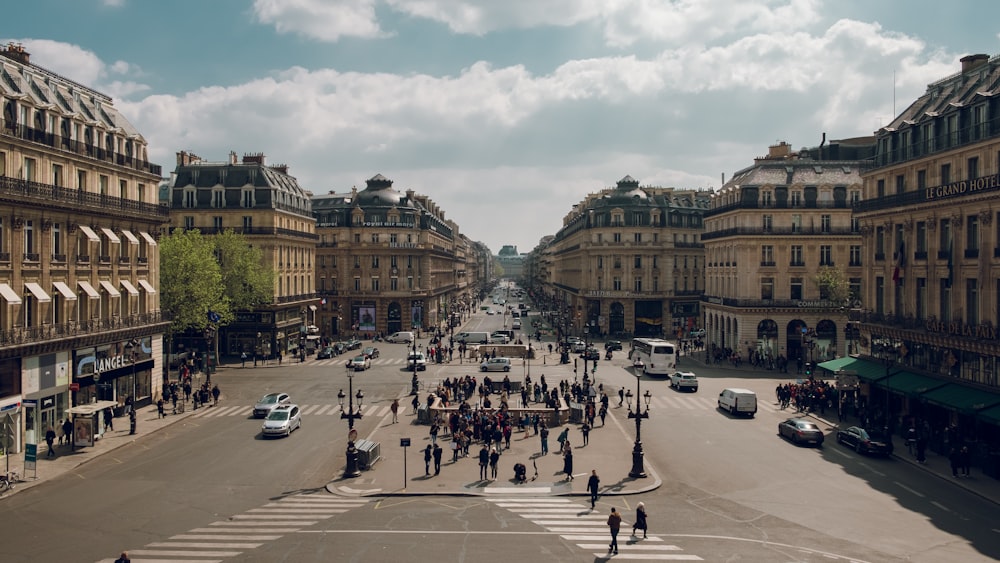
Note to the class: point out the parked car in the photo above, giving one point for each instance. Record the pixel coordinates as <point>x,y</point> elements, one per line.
<point>269,402</point>
<point>682,380</point>
<point>591,354</point>
<point>613,345</point>
<point>359,363</point>
<point>282,420</point>
<point>863,441</point>
<point>371,352</point>
<point>417,358</point>
<point>495,364</point>
<point>326,352</point>
<point>801,431</point>
<point>353,344</point>
<point>339,348</point>
<point>489,311</point>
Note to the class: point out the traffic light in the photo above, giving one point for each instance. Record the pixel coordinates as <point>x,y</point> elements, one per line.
<point>809,369</point>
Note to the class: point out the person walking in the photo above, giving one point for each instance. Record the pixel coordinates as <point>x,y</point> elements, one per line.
<point>640,519</point>
<point>593,486</point>
<point>123,558</point>
<point>621,396</point>
<point>484,460</point>
<point>543,434</point>
<point>394,408</point>
<point>603,413</point>
<point>585,429</point>
<point>494,463</point>
<point>568,461</point>
<point>438,452</point>
<point>159,408</point>
<point>109,419</point>
<point>427,460</point>
<point>50,439</point>
<point>67,428</point>
<point>615,524</point>
<point>562,438</point>
<point>215,395</point>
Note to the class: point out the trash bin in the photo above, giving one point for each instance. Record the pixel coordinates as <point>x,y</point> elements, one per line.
<point>423,415</point>
<point>576,412</point>
<point>369,452</point>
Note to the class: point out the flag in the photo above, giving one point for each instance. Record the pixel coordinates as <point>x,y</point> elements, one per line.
<point>900,258</point>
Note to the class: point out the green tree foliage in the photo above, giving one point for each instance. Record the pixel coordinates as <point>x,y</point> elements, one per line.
<point>833,286</point>
<point>190,280</point>
<point>246,282</point>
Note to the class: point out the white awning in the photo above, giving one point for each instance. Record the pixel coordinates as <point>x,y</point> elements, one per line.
<point>149,239</point>
<point>147,286</point>
<point>9,295</point>
<point>65,290</point>
<point>129,287</point>
<point>111,235</point>
<point>131,238</point>
<point>90,233</point>
<point>312,307</point>
<point>88,289</point>
<point>110,288</point>
<point>38,292</point>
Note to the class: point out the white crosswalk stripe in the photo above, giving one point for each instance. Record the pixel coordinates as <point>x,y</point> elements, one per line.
<point>577,523</point>
<point>375,409</point>
<point>246,531</point>
<point>692,402</point>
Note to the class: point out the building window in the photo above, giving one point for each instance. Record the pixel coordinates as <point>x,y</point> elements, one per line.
<point>796,256</point>
<point>825,223</point>
<point>921,239</point>
<point>394,261</point>
<point>944,299</point>
<point>944,240</point>
<point>972,234</point>
<point>617,237</point>
<point>103,184</point>
<point>796,288</point>
<point>921,299</point>
<point>945,174</point>
<point>374,238</point>
<point>394,284</point>
<point>374,261</point>
<point>855,255</point>
<point>57,175</point>
<point>972,168</point>
<point>921,180</point>
<point>218,199</point>
<point>247,198</point>
<point>637,237</point>
<point>880,295</point>
<point>638,285</point>
<point>855,196</point>
<point>767,255</point>
<point>825,255</point>
<point>796,198</point>
<point>618,262</point>
<point>765,199</point>
<point>637,261</point>
<point>796,223</point>
<point>375,285</point>
<point>767,223</point>
<point>600,262</point>
<point>600,238</point>
<point>217,223</point>
<point>57,240</point>
<point>656,285</point>
<point>189,199</point>
<point>29,170</point>
<point>357,261</point>
<point>409,282</point>
<point>767,288</point>
<point>29,241</point>
<point>880,188</point>
<point>900,183</point>
<point>880,243</point>
<point>393,238</point>
<point>247,223</point>
<point>188,222</point>
<point>616,284</point>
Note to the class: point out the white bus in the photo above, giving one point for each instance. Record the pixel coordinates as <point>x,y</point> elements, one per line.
<point>657,357</point>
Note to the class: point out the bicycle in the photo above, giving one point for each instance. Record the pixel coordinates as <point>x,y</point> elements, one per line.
<point>7,480</point>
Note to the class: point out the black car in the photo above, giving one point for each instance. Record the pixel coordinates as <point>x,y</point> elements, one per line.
<point>801,431</point>
<point>325,353</point>
<point>613,345</point>
<point>591,354</point>
<point>371,352</point>
<point>339,348</point>
<point>863,441</point>
<point>353,344</point>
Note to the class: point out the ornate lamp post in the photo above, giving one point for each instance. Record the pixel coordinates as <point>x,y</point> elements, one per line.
<point>351,469</point>
<point>637,471</point>
<point>414,383</point>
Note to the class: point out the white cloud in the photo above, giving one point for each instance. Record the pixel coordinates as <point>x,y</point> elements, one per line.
<point>113,3</point>
<point>76,63</point>
<point>320,19</point>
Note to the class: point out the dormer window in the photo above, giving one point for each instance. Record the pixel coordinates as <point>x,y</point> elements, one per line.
<point>218,198</point>
<point>248,198</point>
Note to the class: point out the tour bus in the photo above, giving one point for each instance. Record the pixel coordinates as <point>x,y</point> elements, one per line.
<point>653,356</point>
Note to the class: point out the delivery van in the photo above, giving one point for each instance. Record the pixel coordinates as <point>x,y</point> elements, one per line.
<point>738,401</point>
<point>472,337</point>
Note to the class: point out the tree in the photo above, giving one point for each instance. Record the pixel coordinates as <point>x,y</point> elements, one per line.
<point>190,281</point>
<point>246,281</point>
<point>833,287</point>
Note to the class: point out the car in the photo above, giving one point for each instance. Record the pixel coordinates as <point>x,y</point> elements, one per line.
<point>339,348</point>
<point>282,420</point>
<point>578,346</point>
<point>326,352</point>
<point>404,337</point>
<point>508,333</point>
<point>269,402</point>
<point>573,339</point>
<point>495,364</point>
<point>370,352</point>
<point>353,344</point>
<point>516,324</point>
<point>697,333</point>
<point>801,431</point>
<point>613,345</point>
<point>499,339</point>
<point>682,380</point>
<point>863,441</point>
<point>359,363</point>
<point>419,359</point>
<point>489,311</point>
<point>591,353</point>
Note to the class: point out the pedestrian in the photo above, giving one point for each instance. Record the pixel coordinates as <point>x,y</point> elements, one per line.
<point>621,396</point>
<point>954,457</point>
<point>131,421</point>
<point>640,519</point>
<point>965,460</point>
<point>243,360</point>
<point>215,394</point>
<point>585,429</point>
<point>484,460</point>
<point>50,439</point>
<point>123,558</point>
<point>427,460</point>
<point>438,452</point>
<point>173,399</point>
<point>434,433</point>
<point>615,524</point>
<point>63,435</point>
<point>568,461</point>
<point>544,436</point>
<point>593,486</point>
<point>603,413</point>
<point>394,407</point>
<point>67,430</point>
<point>921,449</point>
<point>494,462</point>
<point>109,419</point>
<point>562,438</point>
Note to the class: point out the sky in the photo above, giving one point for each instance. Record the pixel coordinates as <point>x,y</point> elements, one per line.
<point>505,113</point>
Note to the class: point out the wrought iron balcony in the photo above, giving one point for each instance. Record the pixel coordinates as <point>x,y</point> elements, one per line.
<point>19,336</point>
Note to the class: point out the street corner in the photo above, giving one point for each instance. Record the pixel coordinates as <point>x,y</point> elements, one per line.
<point>352,488</point>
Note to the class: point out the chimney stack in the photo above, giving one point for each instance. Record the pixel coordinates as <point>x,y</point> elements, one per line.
<point>16,52</point>
<point>972,62</point>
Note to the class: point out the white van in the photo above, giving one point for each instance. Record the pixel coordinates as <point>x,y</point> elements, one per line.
<point>738,401</point>
<point>405,337</point>
<point>472,337</point>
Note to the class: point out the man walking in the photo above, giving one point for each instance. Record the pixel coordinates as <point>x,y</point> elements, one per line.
<point>593,485</point>
<point>615,524</point>
<point>394,407</point>
<point>67,429</point>
<point>621,396</point>
<point>50,439</point>
<point>544,435</point>
<point>438,452</point>
<point>427,460</point>
<point>484,460</point>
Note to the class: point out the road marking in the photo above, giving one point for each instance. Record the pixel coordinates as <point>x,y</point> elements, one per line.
<point>169,553</point>
<point>630,546</point>
<point>872,469</point>
<point>231,523</point>
<point>663,556</point>
<point>941,506</point>
<point>223,537</point>
<point>298,510</point>
<point>206,545</point>
<point>272,516</point>
<point>911,491</point>
<point>243,530</point>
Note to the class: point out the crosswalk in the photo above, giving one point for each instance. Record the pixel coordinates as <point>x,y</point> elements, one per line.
<point>244,532</point>
<point>695,402</point>
<point>243,411</point>
<point>588,529</point>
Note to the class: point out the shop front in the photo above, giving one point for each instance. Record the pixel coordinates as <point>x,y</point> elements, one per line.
<point>119,372</point>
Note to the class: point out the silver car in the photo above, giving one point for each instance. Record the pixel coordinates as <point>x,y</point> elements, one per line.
<point>282,420</point>
<point>269,402</point>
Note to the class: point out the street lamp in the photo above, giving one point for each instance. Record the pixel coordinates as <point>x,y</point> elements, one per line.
<point>351,469</point>
<point>257,349</point>
<point>889,356</point>
<point>414,383</point>
<point>130,349</point>
<point>637,470</point>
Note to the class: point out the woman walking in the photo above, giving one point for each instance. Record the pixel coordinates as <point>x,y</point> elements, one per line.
<point>568,461</point>
<point>640,519</point>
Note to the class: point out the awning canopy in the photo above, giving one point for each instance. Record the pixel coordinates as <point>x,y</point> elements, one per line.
<point>990,415</point>
<point>961,398</point>
<point>147,286</point>
<point>909,383</point>
<point>90,233</point>
<point>131,238</point>
<point>866,370</point>
<point>65,290</point>
<point>38,292</point>
<point>312,307</point>
<point>92,408</point>
<point>9,295</point>
<point>88,289</point>
<point>149,239</point>
<point>129,287</point>
<point>110,288</point>
<point>111,235</point>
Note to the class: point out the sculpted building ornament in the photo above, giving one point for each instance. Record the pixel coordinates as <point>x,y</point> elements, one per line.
<point>986,217</point>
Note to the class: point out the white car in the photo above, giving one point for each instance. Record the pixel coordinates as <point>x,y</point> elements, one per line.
<point>495,364</point>
<point>269,402</point>
<point>684,380</point>
<point>420,360</point>
<point>499,339</point>
<point>578,346</point>
<point>282,420</point>
<point>359,363</point>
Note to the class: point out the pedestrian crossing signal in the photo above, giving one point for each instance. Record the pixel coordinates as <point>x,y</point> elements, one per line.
<point>809,368</point>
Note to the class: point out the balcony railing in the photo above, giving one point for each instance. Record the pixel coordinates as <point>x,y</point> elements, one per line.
<point>773,231</point>
<point>58,257</point>
<point>25,191</point>
<point>251,231</point>
<point>972,253</point>
<point>124,260</point>
<point>36,334</point>
<point>31,257</point>
<point>920,255</point>
<point>82,259</point>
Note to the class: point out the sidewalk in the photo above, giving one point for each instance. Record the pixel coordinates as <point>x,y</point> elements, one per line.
<point>977,483</point>
<point>609,451</point>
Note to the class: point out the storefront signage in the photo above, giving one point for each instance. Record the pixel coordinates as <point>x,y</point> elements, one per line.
<point>984,331</point>
<point>963,187</point>
<point>402,245</point>
<point>597,293</point>
<point>819,303</point>
<point>388,224</point>
<point>110,363</point>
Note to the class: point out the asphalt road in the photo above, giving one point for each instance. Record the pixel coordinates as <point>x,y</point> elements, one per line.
<point>733,490</point>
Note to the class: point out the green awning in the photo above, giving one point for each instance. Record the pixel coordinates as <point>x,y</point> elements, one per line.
<point>910,383</point>
<point>990,415</point>
<point>961,398</point>
<point>867,370</point>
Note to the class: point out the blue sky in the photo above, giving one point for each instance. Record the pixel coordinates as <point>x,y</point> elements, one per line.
<point>505,113</point>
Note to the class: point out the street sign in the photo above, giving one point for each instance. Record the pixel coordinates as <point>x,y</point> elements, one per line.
<point>404,442</point>
<point>74,386</point>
